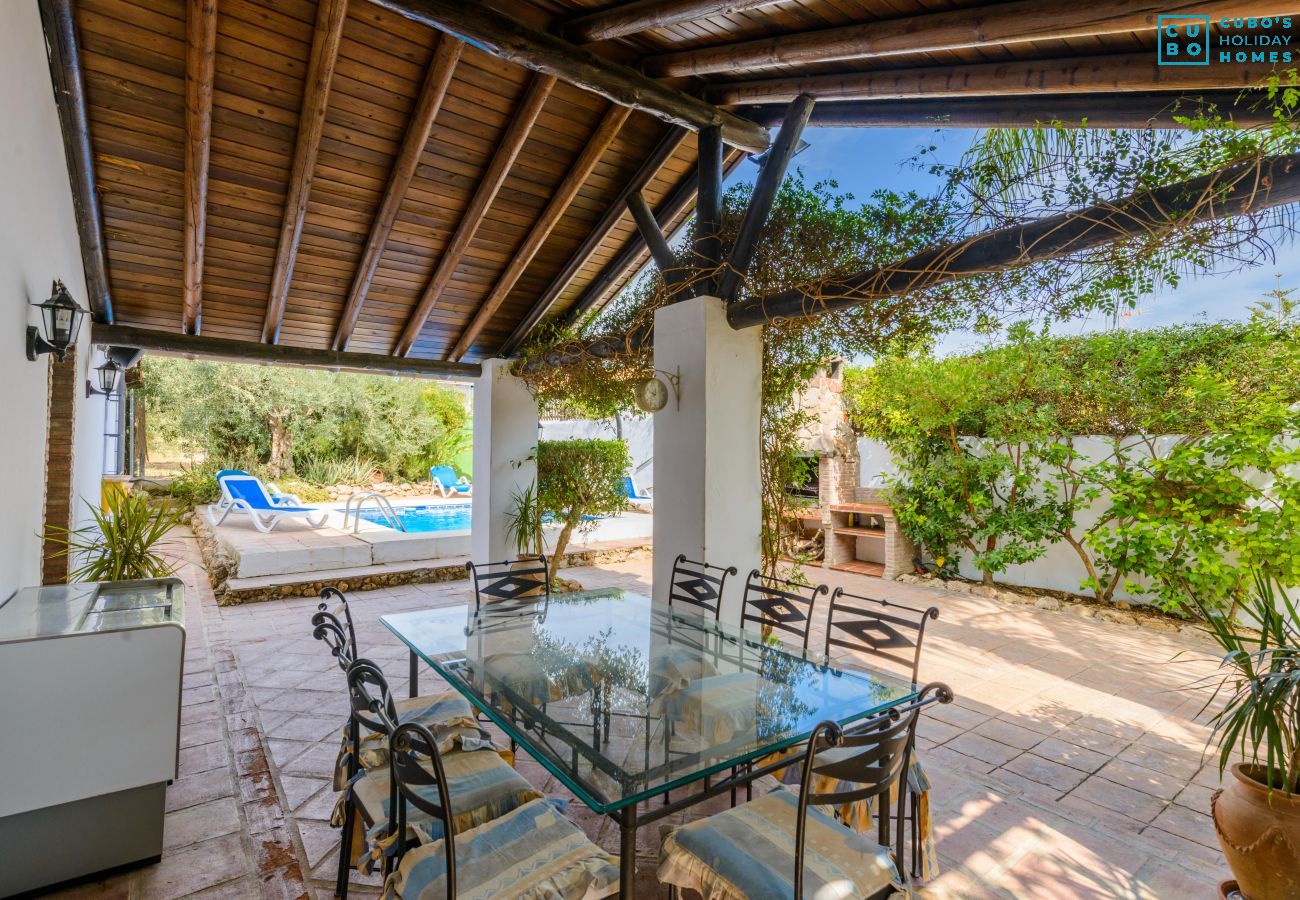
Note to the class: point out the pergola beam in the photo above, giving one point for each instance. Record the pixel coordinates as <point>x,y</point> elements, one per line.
<point>1135,110</point>
<point>647,170</point>
<point>577,175</point>
<point>708,207</point>
<point>330,16</point>
<point>1235,191</point>
<point>445,56</point>
<point>983,26</point>
<point>648,227</point>
<point>74,122</point>
<point>274,354</point>
<point>510,39</point>
<point>200,70</point>
<point>643,15</point>
<point>766,185</point>
<point>1116,73</point>
<point>511,142</point>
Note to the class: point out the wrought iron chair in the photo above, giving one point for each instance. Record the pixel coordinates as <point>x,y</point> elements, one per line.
<point>713,857</point>
<point>494,859</point>
<point>480,784</point>
<point>698,584</point>
<point>511,579</point>
<point>783,604</point>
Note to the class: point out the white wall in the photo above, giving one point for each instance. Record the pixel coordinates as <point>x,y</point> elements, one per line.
<point>638,433</point>
<point>38,243</point>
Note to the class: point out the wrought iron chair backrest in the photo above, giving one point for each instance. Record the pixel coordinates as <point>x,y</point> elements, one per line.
<point>371,700</point>
<point>329,629</point>
<point>341,616</point>
<point>416,763</point>
<point>785,605</point>
<point>512,579</point>
<point>879,627</point>
<point>698,584</point>
<point>879,752</point>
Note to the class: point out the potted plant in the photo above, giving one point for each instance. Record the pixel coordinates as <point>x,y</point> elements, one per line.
<point>1257,812</point>
<point>122,544</point>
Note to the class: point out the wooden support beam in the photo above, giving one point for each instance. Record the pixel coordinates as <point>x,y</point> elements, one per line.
<point>764,195</point>
<point>74,123</point>
<point>445,56</point>
<point>708,208</point>
<point>509,39</point>
<point>1235,191</point>
<point>275,354</point>
<point>1130,110</point>
<point>577,175</point>
<point>982,26</point>
<point>330,16</point>
<point>511,142</point>
<point>643,15</point>
<point>647,170</point>
<point>200,70</point>
<point>651,234</point>
<point>1117,73</point>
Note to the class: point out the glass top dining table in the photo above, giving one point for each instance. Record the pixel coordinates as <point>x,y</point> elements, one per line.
<point>623,699</point>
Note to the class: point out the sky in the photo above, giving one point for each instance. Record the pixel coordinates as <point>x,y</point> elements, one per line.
<point>863,160</point>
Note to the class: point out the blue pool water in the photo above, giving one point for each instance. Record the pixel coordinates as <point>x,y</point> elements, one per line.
<point>451,517</point>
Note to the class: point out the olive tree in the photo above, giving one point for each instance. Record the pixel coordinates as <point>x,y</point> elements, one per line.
<point>578,480</point>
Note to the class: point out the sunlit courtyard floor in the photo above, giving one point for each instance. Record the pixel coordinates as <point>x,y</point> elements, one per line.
<point>1069,766</point>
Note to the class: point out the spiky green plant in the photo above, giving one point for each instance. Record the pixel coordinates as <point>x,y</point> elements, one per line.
<point>524,521</point>
<point>123,543</point>
<point>1259,679</point>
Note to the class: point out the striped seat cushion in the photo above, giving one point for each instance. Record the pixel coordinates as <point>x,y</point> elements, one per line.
<point>748,852</point>
<point>532,853</point>
<point>481,784</point>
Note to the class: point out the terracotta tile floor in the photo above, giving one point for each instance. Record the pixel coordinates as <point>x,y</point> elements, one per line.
<point>1068,766</point>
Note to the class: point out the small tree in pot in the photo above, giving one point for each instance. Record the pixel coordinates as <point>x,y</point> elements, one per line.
<point>1257,814</point>
<point>577,481</point>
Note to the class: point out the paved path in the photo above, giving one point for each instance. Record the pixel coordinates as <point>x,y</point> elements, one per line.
<point>1068,767</point>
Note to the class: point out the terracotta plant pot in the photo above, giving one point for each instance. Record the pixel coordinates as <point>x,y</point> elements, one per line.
<point>1260,835</point>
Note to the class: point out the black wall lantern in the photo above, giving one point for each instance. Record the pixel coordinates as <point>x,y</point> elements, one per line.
<point>107,376</point>
<point>61,318</point>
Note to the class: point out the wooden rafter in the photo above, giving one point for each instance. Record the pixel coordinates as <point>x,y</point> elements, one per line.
<point>767,184</point>
<point>200,69</point>
<point>982,26</point>
<point>511,142</point>
<point>648,169</point>
<point>330,16</point>
<point>1136,110</point>
<point>1118,73</point>
<point>74,122</point>
<point>276,354</point>
<point>578,173</point>
<point>648,227</point>
<point>438,77</point>
<point>509,39</point>
<point>643,15</point>
<point>708,207</point>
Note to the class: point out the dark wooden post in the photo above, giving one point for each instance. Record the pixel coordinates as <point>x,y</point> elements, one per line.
<point>708,208</point>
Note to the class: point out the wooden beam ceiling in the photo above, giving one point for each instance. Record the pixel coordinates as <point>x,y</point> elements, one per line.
<point>74,122</point>
<point>653,163</point>
<point>432,92</point>
<point>511,142</point>
<point>643,15</point>
<point>1127,110</point>
<point>1116,73</point>
<point>514,41</point>
<point>274,354</point>
<point>982,26</point>
<point>200,69</point>
<point>330,16</point>
<point>577,174</point>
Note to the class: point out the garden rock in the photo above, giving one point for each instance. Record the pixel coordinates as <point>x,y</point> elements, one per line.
<point>1083,611</point>
<point>1117,616</point>
<point>1050,603</point>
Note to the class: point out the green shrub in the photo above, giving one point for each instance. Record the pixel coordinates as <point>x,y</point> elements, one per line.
<point>195,485</point>
<point>306,491</point>
<point>122,543</point>
<point>576,479</point>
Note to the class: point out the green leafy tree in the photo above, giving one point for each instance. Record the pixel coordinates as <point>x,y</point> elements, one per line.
<point>576,480</point>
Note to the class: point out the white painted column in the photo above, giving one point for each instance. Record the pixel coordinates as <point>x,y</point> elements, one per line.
<point>707,494</point>
<point>505,437</point>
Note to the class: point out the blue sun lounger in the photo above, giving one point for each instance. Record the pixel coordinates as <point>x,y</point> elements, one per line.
<point>246,493</point>
<point>446,483</point>
<point>634,497</point>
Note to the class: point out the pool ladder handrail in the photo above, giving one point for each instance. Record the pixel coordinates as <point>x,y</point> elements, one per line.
<point>381,503</point>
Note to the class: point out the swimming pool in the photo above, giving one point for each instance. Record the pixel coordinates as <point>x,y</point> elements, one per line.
<point>443,517</point>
